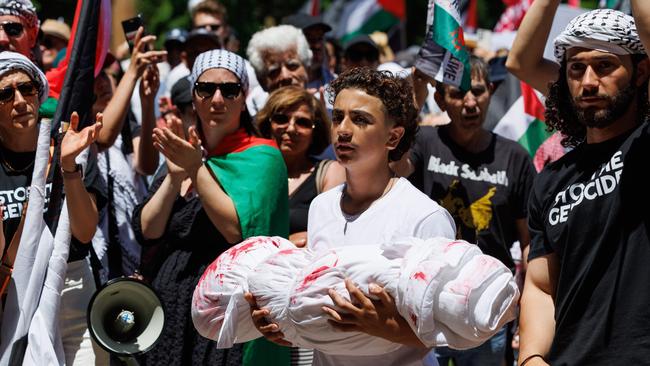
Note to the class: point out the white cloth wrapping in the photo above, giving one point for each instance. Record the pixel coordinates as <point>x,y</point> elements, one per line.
<point>295,296</point>
<point>219,310</point>
<point>449,292</point>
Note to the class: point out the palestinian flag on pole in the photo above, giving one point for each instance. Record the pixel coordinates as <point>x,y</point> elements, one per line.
<point>443,55</point>
<point>367,16</point>
<point>30,331</point>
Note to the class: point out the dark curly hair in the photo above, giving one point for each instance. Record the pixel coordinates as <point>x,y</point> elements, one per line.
<point>394,92</point>
<point>560,115</point>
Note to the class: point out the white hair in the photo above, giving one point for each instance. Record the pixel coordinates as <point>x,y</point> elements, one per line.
<point>277,39</point>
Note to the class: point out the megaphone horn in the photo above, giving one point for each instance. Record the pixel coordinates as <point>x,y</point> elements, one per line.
<point>125,317</point>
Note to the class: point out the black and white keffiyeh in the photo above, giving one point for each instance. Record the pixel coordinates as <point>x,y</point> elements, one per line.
<point>604,30</point>
<point>20,8</point>
<point>220,59</point>
<point>11,61</point>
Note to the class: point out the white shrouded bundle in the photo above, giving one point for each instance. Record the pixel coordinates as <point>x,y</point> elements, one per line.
<point>295,296</point>
<point>448,291</point>
<point>219,310</point>
<point>452,294</point>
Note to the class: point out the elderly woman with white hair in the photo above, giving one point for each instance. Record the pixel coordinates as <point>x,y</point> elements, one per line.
<point>280,56</point>
<point>223,184</point>
<point>23,88</point>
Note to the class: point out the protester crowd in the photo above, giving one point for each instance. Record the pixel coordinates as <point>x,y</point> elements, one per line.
<point>194,148</point>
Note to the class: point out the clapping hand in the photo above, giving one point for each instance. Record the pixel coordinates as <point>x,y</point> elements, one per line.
<point>184,155</point>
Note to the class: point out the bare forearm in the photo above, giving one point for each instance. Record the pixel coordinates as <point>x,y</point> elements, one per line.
<point>641,14</point>
<point>82,209</point>
<point>218,205</point>
<point>145,155</point>
<point>156,212</point>
<point>526,58</point>
<point>115,111</point>
<point>537,320</point>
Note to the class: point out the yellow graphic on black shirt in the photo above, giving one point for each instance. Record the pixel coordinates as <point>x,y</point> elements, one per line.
<point>471,218</point>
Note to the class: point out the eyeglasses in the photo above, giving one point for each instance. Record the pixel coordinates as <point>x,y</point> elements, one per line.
<point>26,89</point>
<point>273,71</point>
<point>283,120</point>
<point>211,27</point>
<point>204,89</point>
<point>13,29</point>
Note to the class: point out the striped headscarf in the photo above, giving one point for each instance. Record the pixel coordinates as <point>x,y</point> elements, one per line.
<point>220,59</point>
<point>604,30</point>
<point>12,61</point>
<point>20,8</point>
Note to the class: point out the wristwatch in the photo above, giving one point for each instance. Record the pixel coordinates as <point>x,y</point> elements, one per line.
<point>76,173</point>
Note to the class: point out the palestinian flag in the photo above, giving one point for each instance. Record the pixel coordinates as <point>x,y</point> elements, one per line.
<point>524,122</point>
<point>444,55</point>
<point>94,18</point>
<point>367,16</point>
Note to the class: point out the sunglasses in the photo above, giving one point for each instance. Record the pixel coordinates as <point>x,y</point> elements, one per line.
<point>205,89</point>
<point>283,120</point>
<point>26,89</point>
<point>210,27</point>
<point>13,29</point>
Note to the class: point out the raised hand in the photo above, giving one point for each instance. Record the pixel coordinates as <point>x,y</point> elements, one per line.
<point>141,58</point>
<point>75,142</point>
<point>183,155</point>
<point>150,83</point>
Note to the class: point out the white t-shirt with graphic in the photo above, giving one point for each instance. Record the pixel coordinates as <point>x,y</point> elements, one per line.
<point>403,212</point>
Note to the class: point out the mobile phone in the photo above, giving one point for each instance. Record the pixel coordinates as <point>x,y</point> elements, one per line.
<point>130,27</point>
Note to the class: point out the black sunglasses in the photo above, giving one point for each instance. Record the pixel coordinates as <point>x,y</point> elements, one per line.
<point>13,29</point>
<point>204,89</point>
<point>26,89</point>
<point>210,27</point>
<point>283,120</point>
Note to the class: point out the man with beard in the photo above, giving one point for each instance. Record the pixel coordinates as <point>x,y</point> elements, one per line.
<point>585,300</point>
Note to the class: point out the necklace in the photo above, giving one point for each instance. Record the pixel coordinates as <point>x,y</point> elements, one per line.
<point>349,218</point>
<point>11,168</point>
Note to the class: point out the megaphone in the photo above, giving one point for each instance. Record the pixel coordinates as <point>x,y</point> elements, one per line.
<point>126,318</point>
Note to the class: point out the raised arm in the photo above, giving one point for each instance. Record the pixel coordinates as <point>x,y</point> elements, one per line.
<point>537,317</point>
<point>145,156</point>
<point>642,19</point>
<point>82,206</point>
<point>526,58</point>
<point>187,154</point>
<point>115,111</point>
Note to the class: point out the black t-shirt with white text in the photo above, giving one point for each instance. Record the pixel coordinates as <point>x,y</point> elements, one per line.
<point>484,192</point>
<point>589,208</point>
<point>14,191</point>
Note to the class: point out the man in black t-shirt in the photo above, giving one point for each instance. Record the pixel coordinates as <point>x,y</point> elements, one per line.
<point>586,298</point>
<point>482,179</point>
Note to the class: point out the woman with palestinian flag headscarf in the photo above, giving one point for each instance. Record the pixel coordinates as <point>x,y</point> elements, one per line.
<point>223,184</point>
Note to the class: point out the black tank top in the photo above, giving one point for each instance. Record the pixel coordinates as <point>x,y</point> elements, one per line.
<point>300,200</point>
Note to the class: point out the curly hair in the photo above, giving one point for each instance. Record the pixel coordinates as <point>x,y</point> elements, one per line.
<point>395,93</point>
<point>560,115</point>
<point>290,97</point>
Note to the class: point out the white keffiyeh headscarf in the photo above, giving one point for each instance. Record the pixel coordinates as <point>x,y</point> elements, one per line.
<point>11,61</point>
<point>220,59</point>
<point>20,8</point>
<point>604,30</point>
